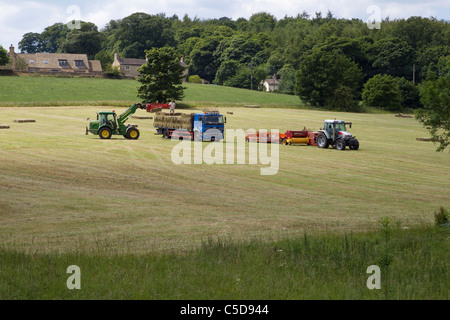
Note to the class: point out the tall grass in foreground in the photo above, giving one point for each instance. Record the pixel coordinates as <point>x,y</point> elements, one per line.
<point>309,267</point>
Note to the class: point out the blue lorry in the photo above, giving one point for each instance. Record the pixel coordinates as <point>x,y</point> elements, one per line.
<point>206,126</point>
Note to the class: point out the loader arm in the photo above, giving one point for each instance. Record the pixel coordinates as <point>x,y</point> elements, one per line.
<point>128,113</point>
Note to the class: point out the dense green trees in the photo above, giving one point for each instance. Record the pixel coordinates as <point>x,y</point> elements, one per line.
<point>161,76</point>
<point>86,40</point>
<point>4,59</point>
<point>322,73</point>
<point>47,41</point>
<point>435,96</point>
<point>324,60</point>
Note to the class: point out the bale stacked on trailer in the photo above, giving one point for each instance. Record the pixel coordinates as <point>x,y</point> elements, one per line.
<point>175,121</point>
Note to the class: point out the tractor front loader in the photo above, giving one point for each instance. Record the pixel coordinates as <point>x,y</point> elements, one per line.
<point>108,124</point>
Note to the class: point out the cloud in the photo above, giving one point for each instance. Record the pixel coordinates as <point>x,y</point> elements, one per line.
<point>23,17</point>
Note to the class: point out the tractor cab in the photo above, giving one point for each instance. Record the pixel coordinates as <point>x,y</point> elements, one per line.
<point>335,133</point>
<point>106,122</point>
<point>108,119</point>
<point>337,129</point>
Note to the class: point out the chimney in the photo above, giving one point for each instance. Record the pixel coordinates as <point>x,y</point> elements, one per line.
<point>12,57</point>
<point>116,62</point>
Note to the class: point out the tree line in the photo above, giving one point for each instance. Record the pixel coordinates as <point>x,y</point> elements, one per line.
<point>324,60</point>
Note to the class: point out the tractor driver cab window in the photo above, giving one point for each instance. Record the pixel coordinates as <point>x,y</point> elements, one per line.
<point>200,118</point>
<point>112,120</point>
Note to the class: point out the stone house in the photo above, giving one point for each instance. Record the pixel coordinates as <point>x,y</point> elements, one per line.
<point>56,63</point>
<point>271,84</point>
<point>129,66</point>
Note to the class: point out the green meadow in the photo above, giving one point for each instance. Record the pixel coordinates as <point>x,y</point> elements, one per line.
<point>141,227</point>
<point>54,91</point>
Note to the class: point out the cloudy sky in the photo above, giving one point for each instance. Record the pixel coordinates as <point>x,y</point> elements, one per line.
<point>19,17</point>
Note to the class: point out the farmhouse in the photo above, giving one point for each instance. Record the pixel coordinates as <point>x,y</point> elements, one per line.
<point>129,66</point>
<point>271,84</point>
<point>70,63</point>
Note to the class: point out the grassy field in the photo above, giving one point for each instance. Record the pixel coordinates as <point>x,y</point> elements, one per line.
<point>52,91</point>
<point>61,189</point>
<point>124,207</point>
<point>311,267</point>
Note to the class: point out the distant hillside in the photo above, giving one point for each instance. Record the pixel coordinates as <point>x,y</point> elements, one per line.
<point>52,91</point>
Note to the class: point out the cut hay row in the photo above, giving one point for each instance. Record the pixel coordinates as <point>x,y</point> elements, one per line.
<point>24,120</point>
<point>423,139</point>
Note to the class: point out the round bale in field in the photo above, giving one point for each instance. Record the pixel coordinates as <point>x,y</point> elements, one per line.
<point>4,126</point>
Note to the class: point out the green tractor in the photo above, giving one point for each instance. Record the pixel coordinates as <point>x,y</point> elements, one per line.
<point>108,124</point>
<point>334,133</point>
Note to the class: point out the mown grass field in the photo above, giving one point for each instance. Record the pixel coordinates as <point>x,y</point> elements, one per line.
<point>124,207</point>
<point>52,91</point>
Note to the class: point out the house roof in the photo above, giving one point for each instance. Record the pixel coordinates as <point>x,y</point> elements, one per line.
<point>272,81</point>
<point>95,66</point>
<point>52,61</point>
<point>132,62</point>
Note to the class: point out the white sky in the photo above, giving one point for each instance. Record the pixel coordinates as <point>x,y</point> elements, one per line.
<point>19,17</point>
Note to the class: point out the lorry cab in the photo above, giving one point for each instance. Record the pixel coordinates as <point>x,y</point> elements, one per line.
<point>209,125</point>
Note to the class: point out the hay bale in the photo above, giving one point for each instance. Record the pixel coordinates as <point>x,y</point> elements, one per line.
<point>141,117</point>
<point>229,112</point>
<point>4,126</point>
<point>156,110</point>
<point>401,115</point>
<point>24,120</point>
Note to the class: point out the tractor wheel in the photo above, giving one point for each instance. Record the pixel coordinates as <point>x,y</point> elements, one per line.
<point>322,141</point>
<point>105,133</point>
<point>284,142</point>
<point>340,144</point>
<point>133,134</point>
<point>354,144</point>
